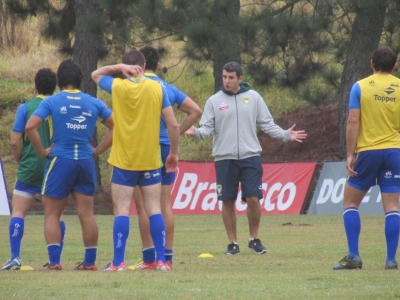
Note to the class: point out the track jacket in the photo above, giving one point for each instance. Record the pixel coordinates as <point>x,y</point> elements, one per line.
<point>232,119</point>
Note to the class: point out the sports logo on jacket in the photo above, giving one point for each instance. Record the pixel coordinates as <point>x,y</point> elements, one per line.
<point>246,101</point>
<point>223,106</point>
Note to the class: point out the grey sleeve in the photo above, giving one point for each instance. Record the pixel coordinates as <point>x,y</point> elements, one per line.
<point>207,123</point>
<point>267,124</point>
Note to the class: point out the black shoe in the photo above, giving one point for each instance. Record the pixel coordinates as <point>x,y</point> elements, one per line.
<point>348,263</point>
<point>256,246</point>
<point>233,249</point>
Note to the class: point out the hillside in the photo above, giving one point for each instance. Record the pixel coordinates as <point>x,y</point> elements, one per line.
<point>322,143</point>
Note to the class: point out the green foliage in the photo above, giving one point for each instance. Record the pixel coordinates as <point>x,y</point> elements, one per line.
<point>301,252</point>
<point>13,93</point>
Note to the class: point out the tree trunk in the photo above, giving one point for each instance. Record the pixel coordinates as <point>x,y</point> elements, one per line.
<point>85,54</point>
<point>1,23</point>
<point>226,48</point>
<point>365,36</point>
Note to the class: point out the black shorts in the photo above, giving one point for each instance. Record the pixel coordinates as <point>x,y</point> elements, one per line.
<point>230,172</point>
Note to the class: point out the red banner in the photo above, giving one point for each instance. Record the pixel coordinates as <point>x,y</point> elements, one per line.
<point>285,186</point>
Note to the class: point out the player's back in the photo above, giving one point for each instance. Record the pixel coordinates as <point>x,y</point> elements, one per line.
<point>73,117</point>
<point>137,107</point>
<point>380,112</point>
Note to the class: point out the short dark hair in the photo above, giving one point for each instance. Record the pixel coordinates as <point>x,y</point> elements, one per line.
<point>133,57</point>
<point>233,67</point>
<point>384,59</point>
<point>45,81</point>
<point>152,57</point>
<point>69,73</point>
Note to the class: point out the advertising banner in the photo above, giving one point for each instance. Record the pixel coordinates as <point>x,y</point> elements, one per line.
<point>4,206</point>
<point>328,195</point>
<point>284,185</point>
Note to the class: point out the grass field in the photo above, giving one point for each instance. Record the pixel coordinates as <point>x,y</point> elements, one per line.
<point>297,266</point>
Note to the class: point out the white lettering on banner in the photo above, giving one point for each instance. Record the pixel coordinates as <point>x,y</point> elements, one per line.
<point>338,190</point>
<point>274,188</point>
<point>335,192</point>
<point>280,204</point>
<point>324,195</point>
<point>210,200</point>
<point>185,194</point>
<point>201,187</point>
<point>190,191</point>
<point>185,191</point>
<point>290,186</point>
<point>240,205</point>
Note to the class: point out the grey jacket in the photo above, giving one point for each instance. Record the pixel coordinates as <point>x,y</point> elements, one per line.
<point>233,119</point>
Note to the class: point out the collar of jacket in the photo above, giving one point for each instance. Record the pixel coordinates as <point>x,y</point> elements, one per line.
<point>244,87</point>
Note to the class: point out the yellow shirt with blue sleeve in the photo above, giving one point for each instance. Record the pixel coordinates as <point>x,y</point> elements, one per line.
<point>378,98</point>
<point>137,105</point>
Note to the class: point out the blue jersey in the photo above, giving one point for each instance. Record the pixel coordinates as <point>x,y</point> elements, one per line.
<point>20,119</point>
<point>73,120</point>
<point>175,96</point>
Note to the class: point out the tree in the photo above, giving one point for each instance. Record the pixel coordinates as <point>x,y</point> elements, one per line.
<point>86,54</point>
<point>316,47</point>
<point>73,16</point>
<point>365,36</point>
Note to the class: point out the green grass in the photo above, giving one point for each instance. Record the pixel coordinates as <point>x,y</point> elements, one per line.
<point>13,93</point>
<point>297,266</point>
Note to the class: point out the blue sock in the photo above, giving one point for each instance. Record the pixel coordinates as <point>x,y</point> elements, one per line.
<point>352,225</point>
<point>149,255</point>
<point>120,235</point>
<point>169,254</point>
<point>16,232</point>
<point>90,256</point>
<point>63,228</point>
<point>157,230</point>
<point>54,251</point>
<point>392,233</point>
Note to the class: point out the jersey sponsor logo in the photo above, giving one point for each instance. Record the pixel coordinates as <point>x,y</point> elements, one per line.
<point>75,106</point>
<point>63,110</point>
<point>388,90</point>
<point>76,126</point>
<point>388,174</point>
<point>223,106</point>
<point>79,126</point>
<point>156,174</point>
<point>371,82</point>
<point>79,119</point>
<point>88,113</point>
<point>395,85</point>
<point>385,99</point>
<point>147,175</point>
<point>73,98</point>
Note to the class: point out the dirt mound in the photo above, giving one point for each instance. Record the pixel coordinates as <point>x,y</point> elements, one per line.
<point>322,143</point>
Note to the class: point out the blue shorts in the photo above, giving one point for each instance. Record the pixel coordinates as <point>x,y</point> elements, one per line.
<point>167,178</point>
<point>23,187</point>
<point>230,172</point>
<point>62,175</point>
<point>381,167</point>
<point>133,178</point>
